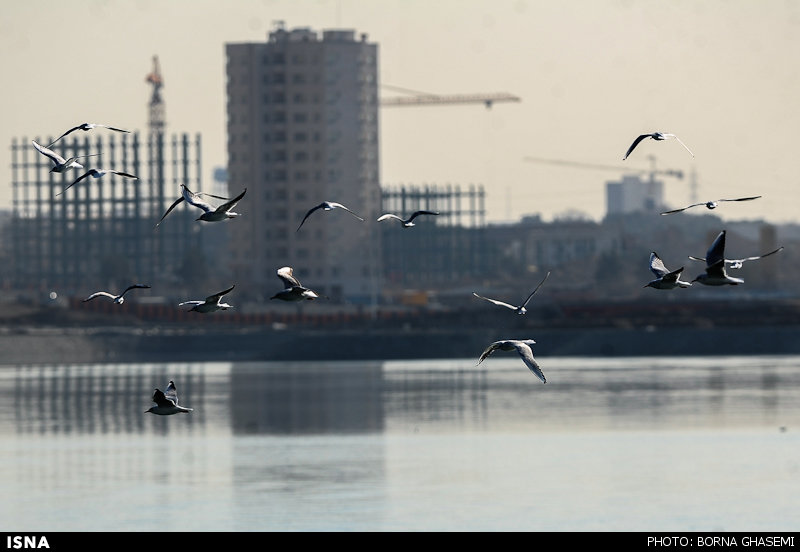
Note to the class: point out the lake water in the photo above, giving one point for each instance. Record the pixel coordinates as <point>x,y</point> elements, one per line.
<point>623,444</point>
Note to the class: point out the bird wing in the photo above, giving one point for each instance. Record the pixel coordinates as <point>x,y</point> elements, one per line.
<point>308,214</point>
<point>525,352</point>
<point>496,302</point>
<point>113,128</point>
<point>717,269</point>
<point>160,399</point>
<point>225,207</point>
<point>754,258</point>
<point>191,303</point>
<point>73,129</point>
<point>287,275</point>
<point>171,393</point>
<point>418,213</point>
<point>171,207</point>
<point>194,199</point>
<point>120,173</point>
<point>340,206</point>
<point>697,258</point>
<point>134,286</point>
<point>741,199</point>
<point>100,294</point>
<point>489,350</point>
<point>681,143</point>
<point>537,289</point>
<point>217,296</point>
<point>635,143</point>
<point>56,158</point>
<point>672,276</point>
<point>388,216</point>
<point>90,172</point>
<point>682,209</point>
<point>716,253</point>
<point>657,266</point>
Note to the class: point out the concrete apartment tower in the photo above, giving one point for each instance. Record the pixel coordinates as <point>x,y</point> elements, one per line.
<point>302,129</point>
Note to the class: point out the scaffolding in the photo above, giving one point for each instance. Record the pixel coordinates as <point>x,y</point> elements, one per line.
<point>456,250</point>
<point>101,232</point>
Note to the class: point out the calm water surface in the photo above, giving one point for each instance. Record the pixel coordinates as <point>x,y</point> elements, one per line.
<point>650,444</point>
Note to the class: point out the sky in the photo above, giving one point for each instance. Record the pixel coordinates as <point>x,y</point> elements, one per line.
<point>723,75</point>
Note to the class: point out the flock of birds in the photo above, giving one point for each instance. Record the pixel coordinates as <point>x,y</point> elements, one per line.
<point>166,402</point>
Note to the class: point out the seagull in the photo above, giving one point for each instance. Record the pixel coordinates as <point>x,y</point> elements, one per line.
<point>523,347</point>
<point>715,266</point>
<point>59,163</point>
<point>118,299</point>
<point>210,214</point>
<point>294,291</point>
<point>97,173</point>
<point>655,136</point>
<point>737,263</point>
<point>211,304</point>
<point>709,204</point>
<point>408,222</point>
<point>186,192</point>
<point>327,206</point>
<point>87,127</point>
<point>520,309</point>
<point>665,279</point>
<point>167,402</point>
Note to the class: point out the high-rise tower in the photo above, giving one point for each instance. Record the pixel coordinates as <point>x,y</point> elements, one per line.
<point>302,129</point>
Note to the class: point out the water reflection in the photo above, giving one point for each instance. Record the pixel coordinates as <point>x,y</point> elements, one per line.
<point>376,397</point>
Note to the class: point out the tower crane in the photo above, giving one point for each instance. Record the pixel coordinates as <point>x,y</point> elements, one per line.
<point>652,171</point>
<point>425,98</point>
<point>157,108</point>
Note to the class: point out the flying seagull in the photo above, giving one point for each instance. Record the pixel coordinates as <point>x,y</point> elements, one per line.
<point>327,206</point>
<point>212,303</point>
<point>715,274</point>
<point>523,347</point>
<point>97,173</point>
<point>118,299</point>
<point>737,263</point>
<point>186,192</point>
<point>294,290</point>
<point>167,402</point>
<point>665,279</point>
<point>709,204</point>
<point>520,309</point>
<point>407,223</point>
<point>655,136</point>
<point>59,163</point>
<point>87,127</point>
<point>210,214</point>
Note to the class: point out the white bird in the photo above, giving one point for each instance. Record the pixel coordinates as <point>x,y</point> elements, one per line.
<point>737,263</point>
<point>59,163</point>
<point>523,347</point>
<point>186,192</point>
<point>665,279</point>
<point>407,223</point>
<point>327,206</point>
<point>211,303</point>
<point>211,214</point>
<point>294,290</point>
<point>518,309</point>
<point>87,127</point>
<point>655,136</point>
<point>118,299</point>
<point>97,173</point>
<point>709,204</point>
<point>715,274</point>
<point>167,402</point>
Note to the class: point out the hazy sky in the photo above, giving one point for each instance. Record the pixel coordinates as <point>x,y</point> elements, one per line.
<point>592,75</point>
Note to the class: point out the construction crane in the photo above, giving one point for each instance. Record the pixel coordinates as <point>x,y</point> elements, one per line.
<point>425,98</point>
<point>157,109</point>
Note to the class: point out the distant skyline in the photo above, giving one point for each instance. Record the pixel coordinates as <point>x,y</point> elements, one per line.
<point>592,75</point>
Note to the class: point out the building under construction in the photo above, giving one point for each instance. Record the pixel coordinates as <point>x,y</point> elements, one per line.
<point>102,231</point>
<point>421,258</point>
